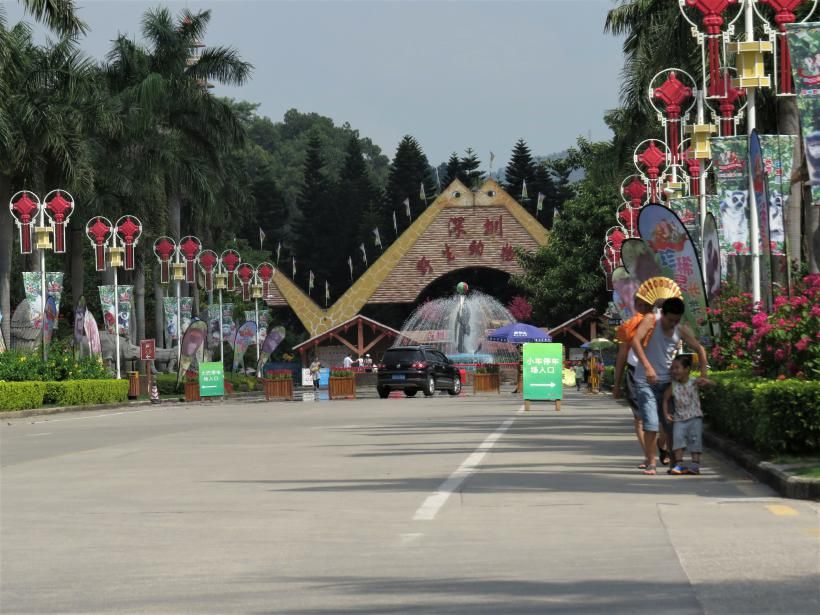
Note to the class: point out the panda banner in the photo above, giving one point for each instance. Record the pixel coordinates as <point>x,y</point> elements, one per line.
<point>804,47</point>
<point>778,155</point>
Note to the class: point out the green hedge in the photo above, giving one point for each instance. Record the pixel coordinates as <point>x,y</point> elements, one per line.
<point>770,416</point>
<point>21,395</point>
<point>84,392</point>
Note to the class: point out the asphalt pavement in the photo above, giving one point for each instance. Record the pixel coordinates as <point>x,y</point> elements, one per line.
<point>439,505</point>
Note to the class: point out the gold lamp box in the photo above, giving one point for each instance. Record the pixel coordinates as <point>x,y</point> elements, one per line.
<point>178,272</point>
<point>750,69</point>
<point>221,281</point>
<point>256,291</point>
<point>42,235</point>
<point>701,146</point>
<point>115,256</point>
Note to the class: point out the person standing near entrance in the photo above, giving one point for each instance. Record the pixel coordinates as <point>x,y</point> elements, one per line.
<point>652,374</point>
<point>314,372</point>
<point>348,362</point>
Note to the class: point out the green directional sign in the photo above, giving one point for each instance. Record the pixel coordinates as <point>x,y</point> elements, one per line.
<point>542,370</point>
<point>211,380</point>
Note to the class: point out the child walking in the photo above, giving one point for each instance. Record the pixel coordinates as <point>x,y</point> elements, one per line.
<point>579,375</point>
<point>687,417</point>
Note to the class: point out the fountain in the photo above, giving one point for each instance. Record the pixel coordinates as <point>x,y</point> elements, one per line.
<point>458,326</point>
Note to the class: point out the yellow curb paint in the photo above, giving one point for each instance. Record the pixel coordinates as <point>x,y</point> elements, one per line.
<point>782,511</point>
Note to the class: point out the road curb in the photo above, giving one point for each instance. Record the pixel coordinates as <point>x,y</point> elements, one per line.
<point>787,485</point>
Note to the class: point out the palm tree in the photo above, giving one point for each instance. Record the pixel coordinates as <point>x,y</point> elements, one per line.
<point>46,107</point>
<point>58,15</point>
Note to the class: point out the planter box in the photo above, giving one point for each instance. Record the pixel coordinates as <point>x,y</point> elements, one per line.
<point>487,382</point>
<point>192,391</point>
<point>342,388</point>
<point>278,389</point>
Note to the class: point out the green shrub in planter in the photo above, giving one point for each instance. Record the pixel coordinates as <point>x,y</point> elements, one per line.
<point>21,395</point>
<point>85,392</point>
<point>341,373</point>
<point>167,384</point>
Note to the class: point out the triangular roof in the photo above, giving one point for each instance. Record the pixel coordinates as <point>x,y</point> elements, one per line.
<point>397,275</point>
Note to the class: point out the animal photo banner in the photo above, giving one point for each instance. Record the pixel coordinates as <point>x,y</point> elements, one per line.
<point>804,47</point>
<point>730,166</point>
<point>31,288</point>
<point>169,305</point>
<point>778,157</point>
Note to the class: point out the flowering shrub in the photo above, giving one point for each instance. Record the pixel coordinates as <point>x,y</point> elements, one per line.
<point>278,374</point>
<point>341,373</point>
<point>18,366</point>
<point>782,344</point>
<point>520,309</point>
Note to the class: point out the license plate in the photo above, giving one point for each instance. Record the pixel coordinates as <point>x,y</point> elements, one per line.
<point>398,376</point>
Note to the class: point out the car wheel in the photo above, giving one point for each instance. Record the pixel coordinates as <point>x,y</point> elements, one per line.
<point>384,392</point>
<point>456,386</point>
<point>430,386</point>
<point>410,392</point>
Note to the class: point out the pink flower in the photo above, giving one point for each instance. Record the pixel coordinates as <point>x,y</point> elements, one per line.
<point>779,354</point>
<point>802,344</point>
<point>739,325</point>
<point>759,319</point>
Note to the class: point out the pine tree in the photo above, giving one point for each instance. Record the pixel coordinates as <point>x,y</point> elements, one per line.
<point>407,172</point>
<point>469,173</point>
<point>452,171</point>
<point>520,169</point>
<point>563,191</point>
<point>313,245</point>
<point>355,196</point>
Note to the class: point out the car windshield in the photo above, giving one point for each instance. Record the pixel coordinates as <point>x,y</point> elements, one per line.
<point>402,356</point>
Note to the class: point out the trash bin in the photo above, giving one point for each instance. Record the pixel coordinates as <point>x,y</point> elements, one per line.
<point>133,385</point>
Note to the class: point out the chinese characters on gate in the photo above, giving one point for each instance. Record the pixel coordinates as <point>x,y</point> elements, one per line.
<point>491,227</point>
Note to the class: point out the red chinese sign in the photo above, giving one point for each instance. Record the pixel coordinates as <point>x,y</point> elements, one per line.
<point>494,226</point>
<point>476,248</point>
<point>455,227</point>
<point>447,252</point>
<point>507,252</point>
<point>148,350</point>
<point>424,266</point>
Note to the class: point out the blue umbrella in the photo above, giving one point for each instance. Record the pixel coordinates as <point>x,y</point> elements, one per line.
<point>519,333</point>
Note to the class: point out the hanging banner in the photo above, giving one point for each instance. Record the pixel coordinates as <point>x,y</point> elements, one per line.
<point>228,324</point>
<point>50,320</point>
<point>2,339</point>
<point>729,164</point>
<point>193,341</point>
<point>273,338</point>
<point>804,48</point>
<point>778,159</point>
<point>264,321</point>
<point>123,319</point>
<point>665,234</point>
<point>639,260</point>
<point>31,287</point>
<point>169,308</point>
<point>761,190</point>
<point>54,287</point>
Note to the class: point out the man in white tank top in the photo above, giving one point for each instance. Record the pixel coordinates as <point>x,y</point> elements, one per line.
<point>652,375</point>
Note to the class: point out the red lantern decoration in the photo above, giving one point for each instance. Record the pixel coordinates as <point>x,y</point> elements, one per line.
<point>713,21</point>
<point>190,247</point>
<point>129,229</point>
<point>230,260</point>
<point>24,207</point>
<point>784,14</point>
<point>164,248</point>
<point>635,191</point>
<point>59,210</point>
<point>265,272</point>
<point>651,159</point>
<point>207,262</point>
<point>99,230</point>
<point>673,93</point>
<point>245,274</point>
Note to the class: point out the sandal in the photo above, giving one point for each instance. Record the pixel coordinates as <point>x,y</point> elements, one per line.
<point>650,470</point>
<point>642,466</point>
<point>664,457</point>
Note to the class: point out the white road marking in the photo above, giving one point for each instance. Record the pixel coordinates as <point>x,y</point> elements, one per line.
<point>406,539</point>
<point>34,435</point>
<point>96,416</point>
<point>430,507</point>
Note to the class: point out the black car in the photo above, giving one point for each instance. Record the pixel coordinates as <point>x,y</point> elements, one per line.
<point>417,368</point>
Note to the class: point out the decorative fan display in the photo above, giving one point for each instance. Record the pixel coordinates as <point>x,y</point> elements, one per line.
<point>658,289</point>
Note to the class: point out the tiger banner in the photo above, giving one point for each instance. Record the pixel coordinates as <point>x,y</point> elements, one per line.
<point>804,48</point>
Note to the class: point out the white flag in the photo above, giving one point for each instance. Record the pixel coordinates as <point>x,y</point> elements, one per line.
<point>438,182</point>
<point>261,237</point>
<point>294,268</point>
<point>327,293</point>
<point>364,254</point>
<point>492,158</point>
<point>524,189</point>
<point>378,239</point>
<point>350,264</point>
<point>540,204</point>
<point>310,282</point>
<point>278,250</point>
<point>422,196</point>
<point>407,207</point>
<point>395,226</point>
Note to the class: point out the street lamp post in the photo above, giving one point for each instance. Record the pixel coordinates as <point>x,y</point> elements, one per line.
<point>187,252</point>
<point>28,211</point>
<point>120,241</point>
<point>226,266</point>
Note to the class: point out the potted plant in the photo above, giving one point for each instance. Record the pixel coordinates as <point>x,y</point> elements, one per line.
<point>342,384</point>
<point>191,386</point>
<point>278,384</point>
<point>487,378</point>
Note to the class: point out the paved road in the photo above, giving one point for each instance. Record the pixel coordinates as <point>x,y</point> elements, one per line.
<point>464,505</point>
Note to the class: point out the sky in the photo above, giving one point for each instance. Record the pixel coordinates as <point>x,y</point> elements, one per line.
<point>453,74</point>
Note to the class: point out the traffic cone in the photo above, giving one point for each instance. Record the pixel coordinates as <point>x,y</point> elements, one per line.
<point>154,393</point>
